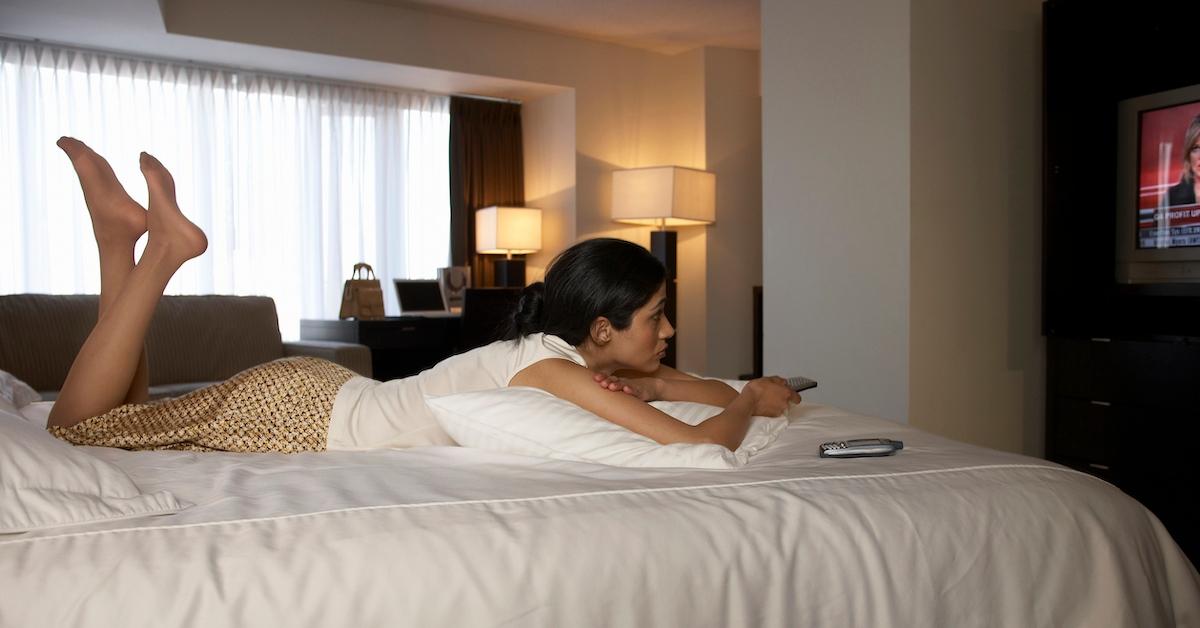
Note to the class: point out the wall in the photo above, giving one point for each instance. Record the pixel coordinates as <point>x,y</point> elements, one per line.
<point>835,128</point>
<point>548,138</point>
<point>632,107</point>
<point>901,192</point>
<point>977,365</point>
<point>733,150</point>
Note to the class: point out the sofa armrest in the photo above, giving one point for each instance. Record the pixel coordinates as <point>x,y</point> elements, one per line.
<point>353,356</point>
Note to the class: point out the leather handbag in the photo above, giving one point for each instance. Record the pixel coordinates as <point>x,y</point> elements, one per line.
<point>362,298</point>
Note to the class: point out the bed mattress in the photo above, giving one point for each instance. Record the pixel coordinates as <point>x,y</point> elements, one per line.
<point>941,534</point>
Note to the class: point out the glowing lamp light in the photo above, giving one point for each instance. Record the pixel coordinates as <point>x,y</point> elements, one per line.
<point>508,231</point>
<point>664,196</point>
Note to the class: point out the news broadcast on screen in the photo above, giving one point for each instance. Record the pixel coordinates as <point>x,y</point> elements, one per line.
<point>1169,177</point>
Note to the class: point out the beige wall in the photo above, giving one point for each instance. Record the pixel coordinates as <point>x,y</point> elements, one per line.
<point>835,199</point>
<point>632,107</point>
<point>976,357</point>
<point>548,138</point>
<point>902,199</point>
<point>733,150</point>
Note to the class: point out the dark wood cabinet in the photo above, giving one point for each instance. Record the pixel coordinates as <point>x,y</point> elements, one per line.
<point>400,346</point>
<point>1127,410</point>
<point>1123,361</point>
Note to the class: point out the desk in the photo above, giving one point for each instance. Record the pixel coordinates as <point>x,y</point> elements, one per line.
<point>400,346</point>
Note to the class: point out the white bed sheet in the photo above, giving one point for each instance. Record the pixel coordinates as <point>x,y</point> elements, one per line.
<point>942,534</point>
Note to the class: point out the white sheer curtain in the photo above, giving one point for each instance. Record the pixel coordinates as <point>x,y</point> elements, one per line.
<point>293,181</point>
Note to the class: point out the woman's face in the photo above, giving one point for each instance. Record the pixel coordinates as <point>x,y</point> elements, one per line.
<point>1194,160</point>
<point>641,345</point>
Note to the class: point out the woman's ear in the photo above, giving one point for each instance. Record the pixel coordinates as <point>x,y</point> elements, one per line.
<point>601,331</point>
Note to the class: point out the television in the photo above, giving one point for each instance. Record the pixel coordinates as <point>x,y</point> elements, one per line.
<point>1158,185</point>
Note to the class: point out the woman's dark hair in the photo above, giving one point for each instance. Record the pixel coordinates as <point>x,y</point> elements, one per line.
<point>601,277</point>
<point>1190,138</point>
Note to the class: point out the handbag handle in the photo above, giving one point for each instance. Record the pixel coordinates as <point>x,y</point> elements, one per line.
<point>365,269</point>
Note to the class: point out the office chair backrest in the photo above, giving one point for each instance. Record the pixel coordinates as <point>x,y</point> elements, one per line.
<point>485,314</point>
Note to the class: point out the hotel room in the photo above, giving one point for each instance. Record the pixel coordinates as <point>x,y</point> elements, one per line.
<point>882,173</point>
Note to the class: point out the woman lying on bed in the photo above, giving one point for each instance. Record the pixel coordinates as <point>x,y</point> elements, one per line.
<point>593,334</point>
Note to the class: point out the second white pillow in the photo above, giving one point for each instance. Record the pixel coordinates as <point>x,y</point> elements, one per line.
<point>533,422</point>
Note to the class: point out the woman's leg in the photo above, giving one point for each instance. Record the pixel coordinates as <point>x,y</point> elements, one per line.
<point>117,221</point>
<point>107,362</point>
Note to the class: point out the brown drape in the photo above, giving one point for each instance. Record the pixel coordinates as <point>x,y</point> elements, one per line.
<point>486,168</point>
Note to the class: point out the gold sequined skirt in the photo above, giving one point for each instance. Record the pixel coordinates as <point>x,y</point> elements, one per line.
<point>281,406</point>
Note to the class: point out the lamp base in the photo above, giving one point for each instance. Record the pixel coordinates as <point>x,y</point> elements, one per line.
<point>509,273</point>
<point>663,245</point>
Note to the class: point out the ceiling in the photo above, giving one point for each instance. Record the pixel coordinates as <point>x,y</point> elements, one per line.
<point>665,26</point>
<point>136,27</point>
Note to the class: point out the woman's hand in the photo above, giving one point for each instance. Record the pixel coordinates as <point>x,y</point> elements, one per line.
<point>771,395</point>
<point>644,388</point>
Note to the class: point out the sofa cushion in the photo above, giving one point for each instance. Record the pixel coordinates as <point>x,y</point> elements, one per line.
<point>211,338</point>
<point>191,338</point>
<point>41,335</point>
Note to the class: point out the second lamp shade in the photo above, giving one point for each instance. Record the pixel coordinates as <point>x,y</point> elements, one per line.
<point>664,196</point>
<point>508,230</point>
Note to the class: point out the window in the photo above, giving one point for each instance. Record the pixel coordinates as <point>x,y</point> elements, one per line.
<point>293,181</point>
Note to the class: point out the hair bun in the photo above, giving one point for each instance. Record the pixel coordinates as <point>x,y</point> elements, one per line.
<point>528,317</point>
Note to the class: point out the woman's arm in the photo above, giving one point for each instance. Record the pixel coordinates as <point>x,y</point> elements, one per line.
<point>574,383</point>
<point>668,384</point>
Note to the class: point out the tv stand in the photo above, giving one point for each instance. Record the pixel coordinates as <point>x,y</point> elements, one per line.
<point>1136,290</point>
<point>1126,410</point>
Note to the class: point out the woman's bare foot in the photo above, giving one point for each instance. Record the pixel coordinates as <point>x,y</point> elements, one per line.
<point>172,235</point>
<point>117,219</point>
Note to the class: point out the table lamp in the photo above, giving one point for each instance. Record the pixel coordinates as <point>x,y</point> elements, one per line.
<point>665,196</point>
<point>509,231</point>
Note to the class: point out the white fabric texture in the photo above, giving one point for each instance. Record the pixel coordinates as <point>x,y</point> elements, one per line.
<point>369,414</point>
<point>293,180</point>
<point>940,534</point>
<point>37,412</point>
<point>14,393</point>
<point>46,483</point>
<point>533,422</point>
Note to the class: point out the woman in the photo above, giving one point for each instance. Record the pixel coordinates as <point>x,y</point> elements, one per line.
<point>592,334</point>
<point>1188,189</point>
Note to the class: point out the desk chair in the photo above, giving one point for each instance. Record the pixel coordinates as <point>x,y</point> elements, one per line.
<point>485,315</point>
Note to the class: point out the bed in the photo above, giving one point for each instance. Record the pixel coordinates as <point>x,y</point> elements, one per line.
<point>941,534</point>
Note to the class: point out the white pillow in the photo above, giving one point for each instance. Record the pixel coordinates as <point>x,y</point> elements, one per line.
<point>533,422</point>
<point>45,482</point>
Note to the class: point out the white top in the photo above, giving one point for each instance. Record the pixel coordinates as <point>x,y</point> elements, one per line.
<point>370,414</point>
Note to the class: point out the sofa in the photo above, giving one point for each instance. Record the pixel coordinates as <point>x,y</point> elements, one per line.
<point>193,341</point>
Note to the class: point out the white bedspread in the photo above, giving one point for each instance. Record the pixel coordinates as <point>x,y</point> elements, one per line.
<point>942,534</point>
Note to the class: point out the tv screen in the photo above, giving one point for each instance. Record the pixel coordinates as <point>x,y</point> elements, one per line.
<point>1168,215</point>
<point>1158,185</point>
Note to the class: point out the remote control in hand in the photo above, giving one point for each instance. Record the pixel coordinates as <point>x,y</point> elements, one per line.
<point>861,448</point>
<point>800,383</point>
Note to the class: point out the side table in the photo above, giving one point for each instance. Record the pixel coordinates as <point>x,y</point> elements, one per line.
<point>400,346</point>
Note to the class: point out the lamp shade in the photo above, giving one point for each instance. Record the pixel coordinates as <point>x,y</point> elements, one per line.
<point>509,230</point>
<point>664,196</point>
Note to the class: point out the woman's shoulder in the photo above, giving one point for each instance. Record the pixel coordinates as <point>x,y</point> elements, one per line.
<point>536,350</point>
<point>561,348</point>
<point>540,346</point>
<point>1182,193</point>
